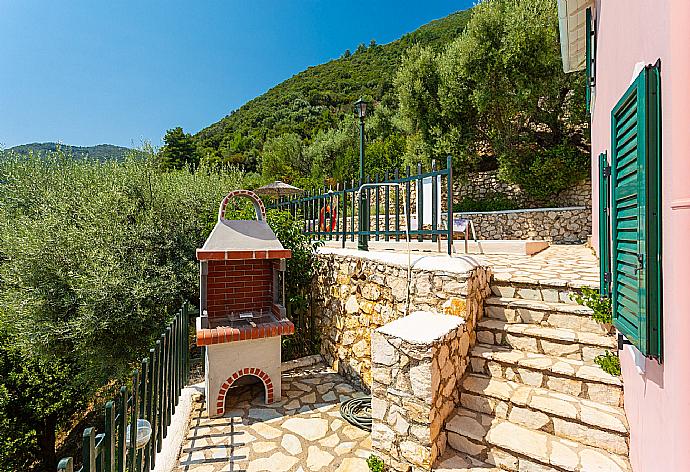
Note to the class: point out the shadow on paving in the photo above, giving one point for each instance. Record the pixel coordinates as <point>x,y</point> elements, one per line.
<point>303,431</point>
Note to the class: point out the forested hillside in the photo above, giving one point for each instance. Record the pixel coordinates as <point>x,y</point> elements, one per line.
<point>318,98</point>
<point>485,86</point>
<point>100,152</point>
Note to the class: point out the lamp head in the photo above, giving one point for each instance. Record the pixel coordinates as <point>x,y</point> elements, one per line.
<point>361,109</point>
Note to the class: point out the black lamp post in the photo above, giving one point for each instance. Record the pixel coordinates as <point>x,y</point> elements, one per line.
<point>363,240</point>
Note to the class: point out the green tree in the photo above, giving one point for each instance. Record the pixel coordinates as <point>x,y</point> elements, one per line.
<point>334,153</point>
<point>283,159</point>
<point>498,89</point>
<point>529,111</point>
<point>179,150</point>
<point>417,85</point>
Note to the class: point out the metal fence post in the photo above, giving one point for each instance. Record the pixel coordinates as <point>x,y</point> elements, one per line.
<point>185,323</point>
<point>396,176</point>
<point>143,392</point>
<point>408,201</point>
<point>122,430</point>
<point>88,445</point>
<point>168,375</point>
<point>434,203</point>
<point>420,203</point>
<point>449,166</point>
<point>150,409</point>
<point>386,210</point>
<point>160,416</point>
<point>109,440</point>
<point>133,422</point>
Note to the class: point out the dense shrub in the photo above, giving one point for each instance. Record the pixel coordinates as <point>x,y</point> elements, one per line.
<point>94,258</point>
<point>301,268</point>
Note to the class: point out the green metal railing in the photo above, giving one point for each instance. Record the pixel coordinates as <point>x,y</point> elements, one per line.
<point>153,395</point>
<point>387,204</point>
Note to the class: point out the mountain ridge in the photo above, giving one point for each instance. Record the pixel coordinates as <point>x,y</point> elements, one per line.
<point>101,152</point>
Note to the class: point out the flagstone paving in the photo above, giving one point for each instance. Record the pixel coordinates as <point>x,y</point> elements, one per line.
<point>302,432</point>
<point>574,265</point>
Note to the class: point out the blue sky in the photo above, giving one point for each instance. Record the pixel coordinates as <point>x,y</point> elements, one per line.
<point>120,72</point>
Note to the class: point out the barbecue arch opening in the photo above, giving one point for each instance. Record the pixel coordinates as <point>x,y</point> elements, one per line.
<point>247,371</point>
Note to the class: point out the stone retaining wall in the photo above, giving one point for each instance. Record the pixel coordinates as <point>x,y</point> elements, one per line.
<point>559,225</point>
<point>355,295</point>
<point>418,364</point>
<point>481,185</point>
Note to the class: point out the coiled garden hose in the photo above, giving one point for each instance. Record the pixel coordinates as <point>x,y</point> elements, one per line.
<point>357,412</point>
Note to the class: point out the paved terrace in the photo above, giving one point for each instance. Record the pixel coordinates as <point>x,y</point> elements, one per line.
<point>574,266</point>
<point>302,432</point>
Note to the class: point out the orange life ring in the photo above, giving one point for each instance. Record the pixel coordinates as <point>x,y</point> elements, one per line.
<point>327,212</point>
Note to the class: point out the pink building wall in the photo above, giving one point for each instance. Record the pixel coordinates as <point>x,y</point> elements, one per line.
<point>657,401</point>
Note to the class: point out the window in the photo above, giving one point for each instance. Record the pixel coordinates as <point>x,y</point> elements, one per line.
<point>635,212</point>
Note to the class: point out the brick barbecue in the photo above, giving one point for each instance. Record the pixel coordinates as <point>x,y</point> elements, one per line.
<point>242,267</point>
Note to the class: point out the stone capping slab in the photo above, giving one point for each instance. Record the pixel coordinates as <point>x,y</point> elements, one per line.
<point>435,263</point>
<point>301,362</point>
<point>523,210</point>
<point>241,254</point>
<point>422,327</point>
<point>227,334</point>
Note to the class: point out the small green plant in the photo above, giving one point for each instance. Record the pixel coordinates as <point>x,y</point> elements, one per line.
<point>376,464</point>
<point>600,306</point>
<point>609,363</point>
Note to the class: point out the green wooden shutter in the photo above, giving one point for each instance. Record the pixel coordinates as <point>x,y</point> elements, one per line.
<point>604,226</point>
<point>589,36</point>
<point>654,286</point>
<point>635,213</point>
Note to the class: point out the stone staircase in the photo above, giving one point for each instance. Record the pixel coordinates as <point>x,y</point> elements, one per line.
<point>533,399</point>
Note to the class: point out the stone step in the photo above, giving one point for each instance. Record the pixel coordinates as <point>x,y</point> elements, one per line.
<point>573,377</point>
<point>553,291</point>
<point>548,314</point>
<point>514,447</point>
<point>455,461</point>
<point>565,416</point>
<point>561,342</point>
